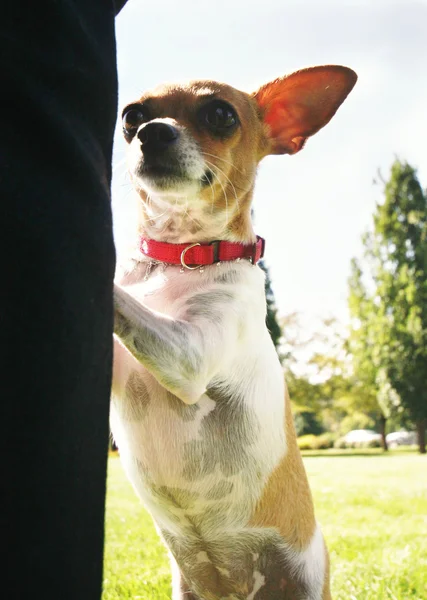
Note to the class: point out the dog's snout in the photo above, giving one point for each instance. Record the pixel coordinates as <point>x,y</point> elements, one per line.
<point>157,135</point>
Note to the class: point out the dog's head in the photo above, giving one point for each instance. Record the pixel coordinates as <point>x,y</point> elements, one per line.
<point>200,143</point>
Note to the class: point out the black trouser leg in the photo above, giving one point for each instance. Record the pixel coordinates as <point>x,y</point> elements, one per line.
<point>58,90</point>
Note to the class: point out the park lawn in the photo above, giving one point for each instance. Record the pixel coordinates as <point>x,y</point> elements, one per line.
<point>373,510</point>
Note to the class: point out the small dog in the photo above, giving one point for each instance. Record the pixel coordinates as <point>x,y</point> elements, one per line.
<point>200,411</point>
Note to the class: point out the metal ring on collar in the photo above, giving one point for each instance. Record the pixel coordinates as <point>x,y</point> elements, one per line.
<point>184,252</point>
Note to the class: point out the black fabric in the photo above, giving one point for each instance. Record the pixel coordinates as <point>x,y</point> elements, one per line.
<point>58,109</point>
<point>119,4</point>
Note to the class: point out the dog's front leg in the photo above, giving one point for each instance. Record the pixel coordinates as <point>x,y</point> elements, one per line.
<point>182,355</point>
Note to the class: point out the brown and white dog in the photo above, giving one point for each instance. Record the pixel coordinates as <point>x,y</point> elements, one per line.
<point>200,410</point>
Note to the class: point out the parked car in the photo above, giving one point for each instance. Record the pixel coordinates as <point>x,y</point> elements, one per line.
<point>361,436</point>
<point>401,438</point>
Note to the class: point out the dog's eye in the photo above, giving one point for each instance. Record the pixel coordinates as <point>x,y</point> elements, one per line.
<point>219,116</point>
<point>132,118</point>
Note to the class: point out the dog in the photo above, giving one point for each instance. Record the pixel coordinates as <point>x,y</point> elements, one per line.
<point>200,411</point>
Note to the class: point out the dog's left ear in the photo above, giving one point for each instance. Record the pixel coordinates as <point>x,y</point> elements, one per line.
<point>297,106</point>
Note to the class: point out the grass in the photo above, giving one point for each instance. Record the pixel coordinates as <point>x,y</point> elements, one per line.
<point>373,510</point>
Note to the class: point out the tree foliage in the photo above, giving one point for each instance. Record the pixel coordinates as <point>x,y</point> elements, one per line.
<point>271,319</point>
<point>322,393</point>
<point>365,343</point>
<point>388,301</point>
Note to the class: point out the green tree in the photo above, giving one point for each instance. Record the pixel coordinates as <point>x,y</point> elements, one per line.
<point>366,346</point>
<point>318,387</point>
<point>271,319</point>
<point>303,393</point>
<point>392,309</point>
<point>344,404</point>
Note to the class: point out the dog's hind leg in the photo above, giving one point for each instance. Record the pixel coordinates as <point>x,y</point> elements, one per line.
<point>186,593</point>
<point>180,589</point>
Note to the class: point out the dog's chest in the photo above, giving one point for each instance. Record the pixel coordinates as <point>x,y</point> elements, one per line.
<point>198,468</point>
<point>190,464</point>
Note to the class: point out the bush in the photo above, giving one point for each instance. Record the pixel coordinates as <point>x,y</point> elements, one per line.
<point>315,442</point>
<point>341,443</point>
<point>305,442</point>
<point>373,444</point>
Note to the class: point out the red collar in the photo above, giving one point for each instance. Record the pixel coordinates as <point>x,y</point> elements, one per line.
<point>197,255</point>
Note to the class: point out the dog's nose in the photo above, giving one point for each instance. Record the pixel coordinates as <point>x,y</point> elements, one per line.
<point>157,135</point>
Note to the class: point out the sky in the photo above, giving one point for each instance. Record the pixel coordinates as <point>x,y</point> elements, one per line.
<point>313,207</point>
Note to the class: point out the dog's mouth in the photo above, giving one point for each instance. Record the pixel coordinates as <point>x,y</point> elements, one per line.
<point>158,171</point>
<point>166,175</point>
<point>162,175</point>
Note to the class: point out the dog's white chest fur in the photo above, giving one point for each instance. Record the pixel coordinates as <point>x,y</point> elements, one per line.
<point>187,459</point>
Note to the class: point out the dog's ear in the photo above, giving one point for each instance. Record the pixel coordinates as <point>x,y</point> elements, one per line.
<point>297,106</point>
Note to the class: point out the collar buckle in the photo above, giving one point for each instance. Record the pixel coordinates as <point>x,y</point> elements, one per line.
<point>182,257</point>
<point>215,244</point>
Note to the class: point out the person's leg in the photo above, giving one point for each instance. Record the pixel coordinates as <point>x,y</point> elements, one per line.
<point>58,88</point>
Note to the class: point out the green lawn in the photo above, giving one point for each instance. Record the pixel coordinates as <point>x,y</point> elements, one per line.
<point>373,509</point>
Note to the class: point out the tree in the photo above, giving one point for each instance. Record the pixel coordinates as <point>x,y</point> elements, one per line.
<point>392,310</point>
<point>271,319</point>
<point>319,382</point>
<point>367,331</point>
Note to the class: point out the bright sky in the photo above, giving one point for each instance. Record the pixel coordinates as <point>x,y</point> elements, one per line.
<point>312,207</point>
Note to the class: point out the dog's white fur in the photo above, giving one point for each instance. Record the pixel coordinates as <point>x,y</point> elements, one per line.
<point>230,345</point>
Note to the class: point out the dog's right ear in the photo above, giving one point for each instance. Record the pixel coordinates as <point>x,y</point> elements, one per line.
<point>295,107</point>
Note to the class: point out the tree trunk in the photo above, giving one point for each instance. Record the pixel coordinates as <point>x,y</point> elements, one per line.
<point>383,422</point>
<point>421,431</point>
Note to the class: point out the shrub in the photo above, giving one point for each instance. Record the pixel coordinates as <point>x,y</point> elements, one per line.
<point>315,442</point>
<point>341,443</point>
<point>373,444</point>
<point>305,442</point>
<point>328,438</point>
